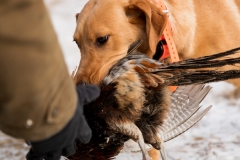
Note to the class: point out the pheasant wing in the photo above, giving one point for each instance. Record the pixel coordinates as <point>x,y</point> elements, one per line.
<point>184,111</point>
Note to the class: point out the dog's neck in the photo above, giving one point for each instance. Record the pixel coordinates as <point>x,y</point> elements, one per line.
<point>182,24</point>
<point>169,50</point>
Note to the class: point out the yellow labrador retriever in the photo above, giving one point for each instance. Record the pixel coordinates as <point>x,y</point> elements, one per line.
<point>106,28</point>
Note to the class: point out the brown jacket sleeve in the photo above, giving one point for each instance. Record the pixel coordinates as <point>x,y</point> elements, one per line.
<point>37,96</point>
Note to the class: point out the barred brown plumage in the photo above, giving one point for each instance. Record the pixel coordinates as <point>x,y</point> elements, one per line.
<point>135,102</point>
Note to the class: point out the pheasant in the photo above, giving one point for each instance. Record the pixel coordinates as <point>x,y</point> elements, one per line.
<point>135,102</point>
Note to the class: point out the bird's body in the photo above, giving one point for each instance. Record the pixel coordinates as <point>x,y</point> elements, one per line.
<point>135,102</point>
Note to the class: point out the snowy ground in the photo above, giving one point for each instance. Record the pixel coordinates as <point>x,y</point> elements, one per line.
<point>215,137</point>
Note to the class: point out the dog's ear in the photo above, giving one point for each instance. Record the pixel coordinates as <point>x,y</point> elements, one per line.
<point>142,11</point>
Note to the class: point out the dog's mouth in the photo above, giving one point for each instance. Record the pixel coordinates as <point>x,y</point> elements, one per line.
<point>105,69</point>
<point>98,73</point>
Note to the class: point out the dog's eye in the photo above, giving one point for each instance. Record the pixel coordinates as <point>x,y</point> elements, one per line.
<point>102,40</point>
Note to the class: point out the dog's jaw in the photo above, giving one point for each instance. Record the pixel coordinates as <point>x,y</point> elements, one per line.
<point>93,71</point>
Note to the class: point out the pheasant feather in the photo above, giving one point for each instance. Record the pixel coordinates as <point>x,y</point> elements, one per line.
<point>135,102</point>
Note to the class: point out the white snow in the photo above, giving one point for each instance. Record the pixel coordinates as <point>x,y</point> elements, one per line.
<point>215,137</point>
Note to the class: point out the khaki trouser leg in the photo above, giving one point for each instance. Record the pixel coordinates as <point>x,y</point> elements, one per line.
<point>37,96</point>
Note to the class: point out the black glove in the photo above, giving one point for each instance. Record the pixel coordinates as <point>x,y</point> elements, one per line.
<point>63,143</point>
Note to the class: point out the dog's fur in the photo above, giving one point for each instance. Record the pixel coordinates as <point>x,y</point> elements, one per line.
<point>200,27</point>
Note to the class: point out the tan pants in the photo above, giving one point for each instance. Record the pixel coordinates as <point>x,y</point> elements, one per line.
<point>37,96</point>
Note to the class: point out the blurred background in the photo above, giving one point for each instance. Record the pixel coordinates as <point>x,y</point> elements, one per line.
<point>215,137</point>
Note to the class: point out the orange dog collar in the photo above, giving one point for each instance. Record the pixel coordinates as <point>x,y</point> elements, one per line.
<point>167,35</point>
<point>169,49</point>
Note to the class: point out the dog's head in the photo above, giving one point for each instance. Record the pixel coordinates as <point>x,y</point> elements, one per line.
<point>106,28</point>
